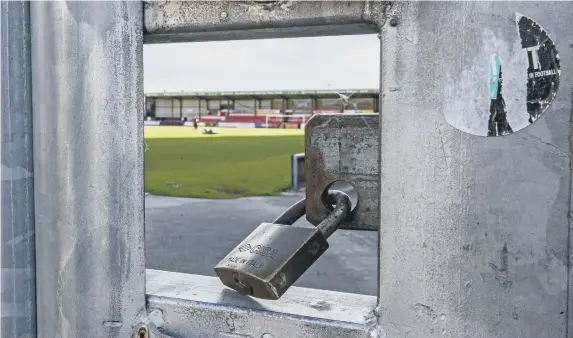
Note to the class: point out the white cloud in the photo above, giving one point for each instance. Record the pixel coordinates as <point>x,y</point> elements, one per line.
<point>305,63</point>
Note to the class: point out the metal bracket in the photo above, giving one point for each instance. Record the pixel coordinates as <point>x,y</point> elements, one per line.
<point>343,148</point>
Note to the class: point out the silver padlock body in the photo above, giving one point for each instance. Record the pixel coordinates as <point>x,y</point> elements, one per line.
<point>271,259</point>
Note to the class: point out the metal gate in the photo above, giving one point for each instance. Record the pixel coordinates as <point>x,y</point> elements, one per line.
<point>474,233</point>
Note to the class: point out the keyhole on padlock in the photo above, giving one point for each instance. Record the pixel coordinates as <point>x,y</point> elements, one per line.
<point>313,248</point>
<point>245,289</point>
<point>345,187</point>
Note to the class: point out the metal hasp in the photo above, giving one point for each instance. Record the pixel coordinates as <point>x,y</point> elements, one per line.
<point>266,263</point>
<point>87,84</point>
<point>18,257</point>
<point>475,230</point>
<point>343,147</point>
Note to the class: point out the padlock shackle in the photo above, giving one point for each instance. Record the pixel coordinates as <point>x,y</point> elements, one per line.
<point>338,214</point>
<point>292,214</point>
<point>342,207</point>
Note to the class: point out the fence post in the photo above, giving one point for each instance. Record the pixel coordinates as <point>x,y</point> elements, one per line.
<point>297,175</point>
<point>88,106</point>
<point>474,237</point>
<point>18,258</point>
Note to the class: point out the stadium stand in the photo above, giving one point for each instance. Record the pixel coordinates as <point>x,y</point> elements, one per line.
<point>286,109</point>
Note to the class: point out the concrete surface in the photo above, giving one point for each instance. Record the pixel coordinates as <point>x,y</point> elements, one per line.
<point>193,235</point>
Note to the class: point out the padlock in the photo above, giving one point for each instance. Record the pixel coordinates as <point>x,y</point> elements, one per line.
<point>276,254</point>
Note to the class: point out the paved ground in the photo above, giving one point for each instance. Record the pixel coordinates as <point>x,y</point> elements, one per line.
<point>192,235</point>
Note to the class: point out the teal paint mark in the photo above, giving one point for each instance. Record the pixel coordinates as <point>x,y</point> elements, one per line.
<point>494,76</point>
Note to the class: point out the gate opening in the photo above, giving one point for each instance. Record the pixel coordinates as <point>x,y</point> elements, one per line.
<point>222,121</point>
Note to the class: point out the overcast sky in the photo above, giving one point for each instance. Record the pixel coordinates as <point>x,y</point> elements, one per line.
<point>341,62</point>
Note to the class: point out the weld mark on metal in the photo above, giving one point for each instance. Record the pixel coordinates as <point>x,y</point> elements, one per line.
<point>112,323</point>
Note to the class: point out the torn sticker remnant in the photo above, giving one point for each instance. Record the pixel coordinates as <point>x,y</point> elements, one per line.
<point>497,123</point>
<point>543,67</point>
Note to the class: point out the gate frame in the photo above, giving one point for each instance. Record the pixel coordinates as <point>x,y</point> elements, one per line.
<point>105,43</point>
<point>217,311</point>
<point>88,60</point>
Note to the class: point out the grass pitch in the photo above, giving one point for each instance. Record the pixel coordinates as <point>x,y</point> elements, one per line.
<point>180,161</point>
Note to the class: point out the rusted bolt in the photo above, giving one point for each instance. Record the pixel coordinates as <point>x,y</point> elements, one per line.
<point>223,15</point>
<point>142,333</point>
<point>393,22</point>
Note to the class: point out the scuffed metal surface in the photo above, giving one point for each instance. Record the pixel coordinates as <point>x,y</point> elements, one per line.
<point>185,21</point>
<point>18,250</point>
<point>88,155</point>
<point>343,148</point>
<point>194,306</point>
<point>474,237</point>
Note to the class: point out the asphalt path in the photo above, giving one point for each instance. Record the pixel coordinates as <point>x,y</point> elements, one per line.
<point>193,235</point>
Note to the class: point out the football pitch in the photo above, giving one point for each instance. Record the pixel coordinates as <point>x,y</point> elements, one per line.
<point>180,161</point>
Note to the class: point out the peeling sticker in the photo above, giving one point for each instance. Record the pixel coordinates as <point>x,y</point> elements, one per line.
<point>543,69</point>
<point>510,81</point>
<point>497,123</point>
